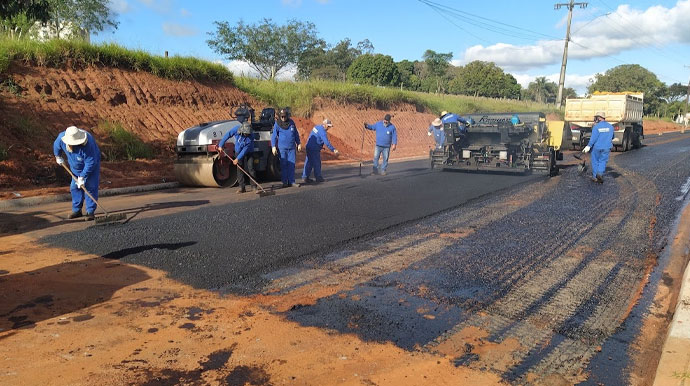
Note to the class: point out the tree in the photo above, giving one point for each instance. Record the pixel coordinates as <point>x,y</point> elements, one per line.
<point>323,63</point>
<point>480,78</point>
<point>91,15</point>
<point>676,92</point>
<point>266,46</point>
<point>407,75</point>
<point>438,64</point>
<point>633,78</point>
<point>18,16</point>
<point>378,70</point>
<point>542,90</point>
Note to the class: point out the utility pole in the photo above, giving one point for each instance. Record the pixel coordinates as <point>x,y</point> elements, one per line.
<point>687,102</point>
<point>561,80</point>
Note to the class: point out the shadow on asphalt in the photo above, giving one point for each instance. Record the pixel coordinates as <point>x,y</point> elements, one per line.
<point>12,224</point>
<point>116,255</point>
<point>46,293</point>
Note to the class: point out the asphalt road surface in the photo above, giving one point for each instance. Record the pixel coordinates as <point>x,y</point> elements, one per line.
<point>522,276</point>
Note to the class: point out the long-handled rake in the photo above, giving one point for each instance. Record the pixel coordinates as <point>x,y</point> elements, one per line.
<point>361,153</point>
<point>108,218</point>
<point>262,192</point>
<point>583,166</point>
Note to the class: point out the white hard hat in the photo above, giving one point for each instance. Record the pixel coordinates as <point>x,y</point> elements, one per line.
<point>327,123</point>
<point>444,113</point>
<point>600,114</point>
<point>74,136</point>
<point>436,122</point>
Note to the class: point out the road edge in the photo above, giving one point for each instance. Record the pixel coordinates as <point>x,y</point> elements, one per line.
<point>39,200</point>
<point>674,363</point>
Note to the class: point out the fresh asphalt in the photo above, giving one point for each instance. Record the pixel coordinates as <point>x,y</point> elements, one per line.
<point>551,263</point>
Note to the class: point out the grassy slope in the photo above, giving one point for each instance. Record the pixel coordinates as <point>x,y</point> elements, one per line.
<point>298,95</point>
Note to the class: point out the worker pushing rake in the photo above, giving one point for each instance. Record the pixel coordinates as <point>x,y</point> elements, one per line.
<point>84,158</point>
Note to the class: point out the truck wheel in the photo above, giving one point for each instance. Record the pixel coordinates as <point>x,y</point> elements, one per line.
<point>637,143</point>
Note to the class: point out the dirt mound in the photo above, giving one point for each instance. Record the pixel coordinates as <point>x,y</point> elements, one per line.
<point>37,103</point>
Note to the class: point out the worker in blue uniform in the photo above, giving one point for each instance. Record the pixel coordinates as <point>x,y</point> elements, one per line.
<point>284,139</point>
<point>244,148</point>
<point>436,129</point>
<point>317,138</point>
<point>84,158</point>
<point>386,140</point>
<point>463,123</point>
<point>600,144</point>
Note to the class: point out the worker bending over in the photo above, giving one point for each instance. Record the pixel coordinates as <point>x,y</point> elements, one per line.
<point>317,138</point>
<point>244,147</point>
<point>84,158</point>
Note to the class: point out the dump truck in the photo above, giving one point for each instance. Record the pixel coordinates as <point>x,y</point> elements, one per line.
<point>198,163</point>
<point>623,110</point>
<point>503,142</point>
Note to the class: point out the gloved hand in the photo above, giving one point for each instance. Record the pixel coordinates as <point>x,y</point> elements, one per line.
<point>80,182</point>
<point>59,160</point>
<point>299,147</point>
<point>365,125</point>
<point>275,150</point>
<point>428,133</point>
<point>336,152</point>
<point>586,149</point>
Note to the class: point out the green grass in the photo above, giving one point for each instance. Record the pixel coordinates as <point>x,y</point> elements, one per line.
<point>300,97</point>
<point>121,144</point>
<point>4,153</point>
<point>78,54</point>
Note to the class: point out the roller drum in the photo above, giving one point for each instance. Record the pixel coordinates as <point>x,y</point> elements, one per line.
<point>205,171</point>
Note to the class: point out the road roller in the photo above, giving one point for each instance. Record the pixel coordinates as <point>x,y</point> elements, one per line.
<point>198,163</point>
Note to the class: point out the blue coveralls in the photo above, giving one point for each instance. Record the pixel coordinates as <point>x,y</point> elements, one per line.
<point>317,138</point>
<point>244,148</point>
<point>84,161</point>
<point>600,144</point>
<point>286,141</point>
<point>439,135</point>
<point>385,137</point>
<point>451,118</point>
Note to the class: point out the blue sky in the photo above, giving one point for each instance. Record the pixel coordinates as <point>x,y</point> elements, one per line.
<point>524,38</point>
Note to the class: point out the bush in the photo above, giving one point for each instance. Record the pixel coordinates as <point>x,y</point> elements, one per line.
<point>121,144</point>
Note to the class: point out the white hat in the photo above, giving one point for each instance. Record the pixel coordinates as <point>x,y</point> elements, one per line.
<point>327,123</point>
<point>436,122</point>
<point>74,136</point>
<point>600,114</point>
<point>444,113</point>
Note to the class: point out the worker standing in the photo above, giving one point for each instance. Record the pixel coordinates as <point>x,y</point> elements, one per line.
<point>284,139</point>
<point>317,138</point>
<point>448,118</point>
<point>386,140</point>
<point>600,144</point>
<point>436,129</point>
<point>84,158</point>
<point>244,147</point>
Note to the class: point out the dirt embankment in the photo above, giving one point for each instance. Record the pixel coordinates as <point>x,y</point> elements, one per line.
<point>36,103</point>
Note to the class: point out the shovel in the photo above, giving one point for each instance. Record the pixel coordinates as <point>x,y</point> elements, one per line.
<point>583,166</point>
<point>262,192</point>
<point>108,218</point>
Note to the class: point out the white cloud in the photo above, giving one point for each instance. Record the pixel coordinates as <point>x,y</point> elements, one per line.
<point>292,3</point>
<point>241,68</point>
<point>173,29</point>
<point>160,6</point>
<point>119,6</point>
<point>621,30</point>
<point>185,13</point>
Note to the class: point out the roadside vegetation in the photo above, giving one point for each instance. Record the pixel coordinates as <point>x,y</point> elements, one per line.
<point>300,96</point>
<point>75,54</point>
<point>119,144</point>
